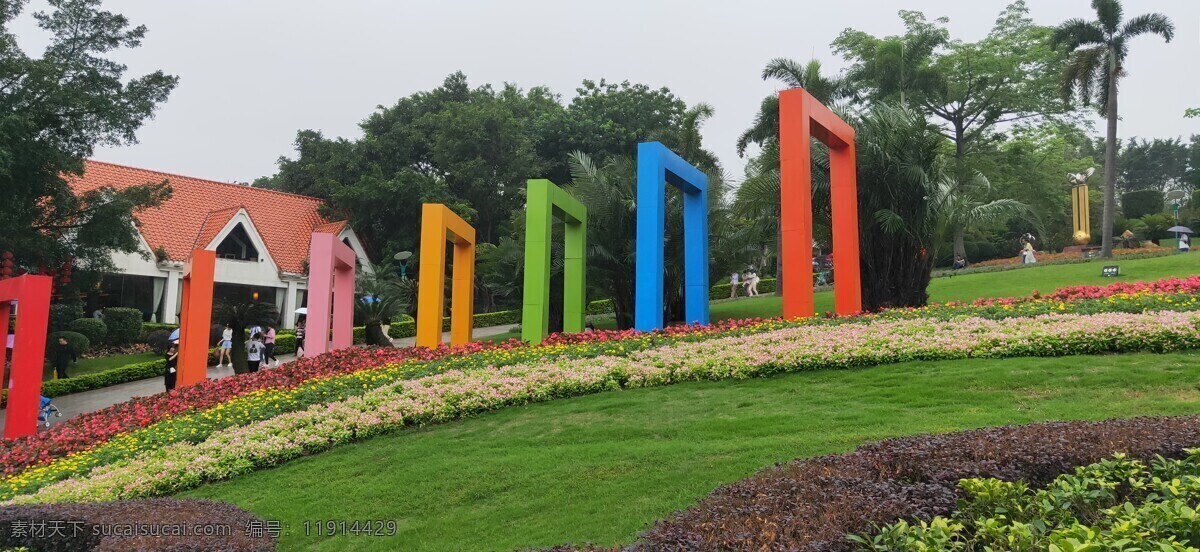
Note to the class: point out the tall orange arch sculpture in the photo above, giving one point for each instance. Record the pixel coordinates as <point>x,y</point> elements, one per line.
<point>802,117</point>
<point>439,224</point>
<point>195,318</point>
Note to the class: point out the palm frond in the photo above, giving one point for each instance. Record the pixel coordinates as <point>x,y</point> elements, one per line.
<point>1156,23</point>
<point>1109,13</point>
<point>1073,33</point>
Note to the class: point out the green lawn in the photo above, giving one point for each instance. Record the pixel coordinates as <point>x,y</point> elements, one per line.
<point>93,365</point>
<point>1008,283</point>
<point>600,468</point>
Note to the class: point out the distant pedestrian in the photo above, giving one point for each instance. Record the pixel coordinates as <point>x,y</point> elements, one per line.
<point>1185,243</point>
<point>98,314</point>
<point>733,285</point>
<point>172,365</point>
<point>589,327</point>
<point>254,352</point>
<point>1027,256</point>
<point>64,355</point>
<point>269,344</point>
<point>226,348</point>
<point>300,339</point>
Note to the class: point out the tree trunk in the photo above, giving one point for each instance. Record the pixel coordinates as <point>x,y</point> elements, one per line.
<point>1110,166</point>
<point>238,354</point>
<point>960,247</point>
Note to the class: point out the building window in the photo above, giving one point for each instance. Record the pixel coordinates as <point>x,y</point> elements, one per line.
<point>237,246</point>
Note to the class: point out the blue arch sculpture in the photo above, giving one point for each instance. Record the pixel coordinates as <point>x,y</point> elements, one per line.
<point>658,166</point>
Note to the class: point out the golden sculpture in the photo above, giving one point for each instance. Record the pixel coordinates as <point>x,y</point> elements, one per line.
<point>1081,214</point>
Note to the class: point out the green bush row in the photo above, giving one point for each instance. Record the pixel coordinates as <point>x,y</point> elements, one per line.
<point>124,374</point>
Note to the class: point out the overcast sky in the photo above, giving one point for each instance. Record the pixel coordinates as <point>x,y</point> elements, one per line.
<point>253,72</point>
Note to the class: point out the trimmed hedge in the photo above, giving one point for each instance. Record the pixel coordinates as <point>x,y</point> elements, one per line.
<point>124,325</point>
<point>61,315</point>
<point>90,526</point>
<point>124,374</point>
<point>150,327</point>
<point>398,330</point>
<point>812,504</point>
<point>95,330</point>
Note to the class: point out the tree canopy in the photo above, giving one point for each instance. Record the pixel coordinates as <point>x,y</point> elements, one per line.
<point>57,108</point>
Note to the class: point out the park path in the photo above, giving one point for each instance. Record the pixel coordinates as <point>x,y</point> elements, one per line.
<point>96,399</point>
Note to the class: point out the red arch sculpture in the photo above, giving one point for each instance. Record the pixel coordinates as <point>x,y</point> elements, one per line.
<point>802,117</point>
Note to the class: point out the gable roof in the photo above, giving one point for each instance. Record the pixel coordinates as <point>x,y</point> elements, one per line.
<point>199,209</point>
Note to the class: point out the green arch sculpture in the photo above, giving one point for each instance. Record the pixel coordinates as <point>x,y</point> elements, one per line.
<point>543,201</point>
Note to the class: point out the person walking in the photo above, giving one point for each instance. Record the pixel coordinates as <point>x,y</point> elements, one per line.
<point>1027,253</point>
<point>254,352</point>
<point>300,339</point>
<point>169,373</point>
<point>1185,243</point>
<point>754,282</point>
<point>269,346</point>
<point>733,285</point>
<point>64,355</point>
<point>226,347</point>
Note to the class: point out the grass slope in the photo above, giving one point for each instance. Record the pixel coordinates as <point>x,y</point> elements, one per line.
<point>600,468</point>
<point>1009,283</point>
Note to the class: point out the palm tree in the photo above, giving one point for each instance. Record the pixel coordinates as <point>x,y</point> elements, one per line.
<point>826,89</point>
<point>959,204</point>
<point>1098,51</point>
<point>381,299</point>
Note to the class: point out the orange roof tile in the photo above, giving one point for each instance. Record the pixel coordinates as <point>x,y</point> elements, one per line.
<point>198,209</point>
<point>331,228</point>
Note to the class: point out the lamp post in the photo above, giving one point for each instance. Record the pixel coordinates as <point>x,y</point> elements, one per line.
<point>1176,196</point>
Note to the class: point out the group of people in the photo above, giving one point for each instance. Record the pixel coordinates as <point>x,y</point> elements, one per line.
<point>749,279</point>
<point>260,351</point>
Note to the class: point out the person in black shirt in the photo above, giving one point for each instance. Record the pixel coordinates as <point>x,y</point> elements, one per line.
<point>172,363</point>
<point>64,355</point>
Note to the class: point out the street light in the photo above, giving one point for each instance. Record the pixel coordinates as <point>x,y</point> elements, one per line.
<point>403,257</point>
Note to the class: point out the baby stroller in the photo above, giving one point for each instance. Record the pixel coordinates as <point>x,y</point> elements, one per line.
<point>47,411</point>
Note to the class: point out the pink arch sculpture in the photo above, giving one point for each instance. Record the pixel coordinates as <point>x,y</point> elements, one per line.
<point>330,291</point>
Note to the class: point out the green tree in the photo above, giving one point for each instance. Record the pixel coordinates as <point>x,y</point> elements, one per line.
<point>1192,112</point>
<point>608,120</point>
<point>895,68</point>
<point>1098,52</point>
<point>57,108</point>
<point>900,175</point>
<point>1158,164</point>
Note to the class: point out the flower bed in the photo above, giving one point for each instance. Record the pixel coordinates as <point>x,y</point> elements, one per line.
<point>456,393</point>
<point>1116,504</point>
<point>1070,258</point>
<point>812,504</point>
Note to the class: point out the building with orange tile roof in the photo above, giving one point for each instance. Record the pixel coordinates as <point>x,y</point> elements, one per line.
<point>261,238</point>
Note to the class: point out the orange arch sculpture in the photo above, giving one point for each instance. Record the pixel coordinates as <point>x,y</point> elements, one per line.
<point>802,117</point>
<point>195,318</point>
<point>438,225</point>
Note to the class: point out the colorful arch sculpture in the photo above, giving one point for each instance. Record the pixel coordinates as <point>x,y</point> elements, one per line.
<point>658,166</point>
<point>543,200</point>
<point>195,318</point>
<point>802,117</point>
<point>330,291</point>
<point>438,225</point>
<point>32,294</point>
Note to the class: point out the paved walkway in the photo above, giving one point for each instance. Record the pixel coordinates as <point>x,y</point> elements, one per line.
<point>96,399</point>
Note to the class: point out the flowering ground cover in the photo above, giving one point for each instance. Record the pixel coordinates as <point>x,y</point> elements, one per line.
<point>601,468</point>
<point>350,373</point>
<point>456,393</point>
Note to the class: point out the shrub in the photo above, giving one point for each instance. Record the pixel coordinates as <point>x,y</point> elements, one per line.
<point>79,343</point>
<point>124,325</point>
<point>150,327</point>
<point>813,504</point>
<point>159,340</point>
<point>94,329</point>
<point>61,315</point>
<point>1139,203</point>
<point>79,526</point>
